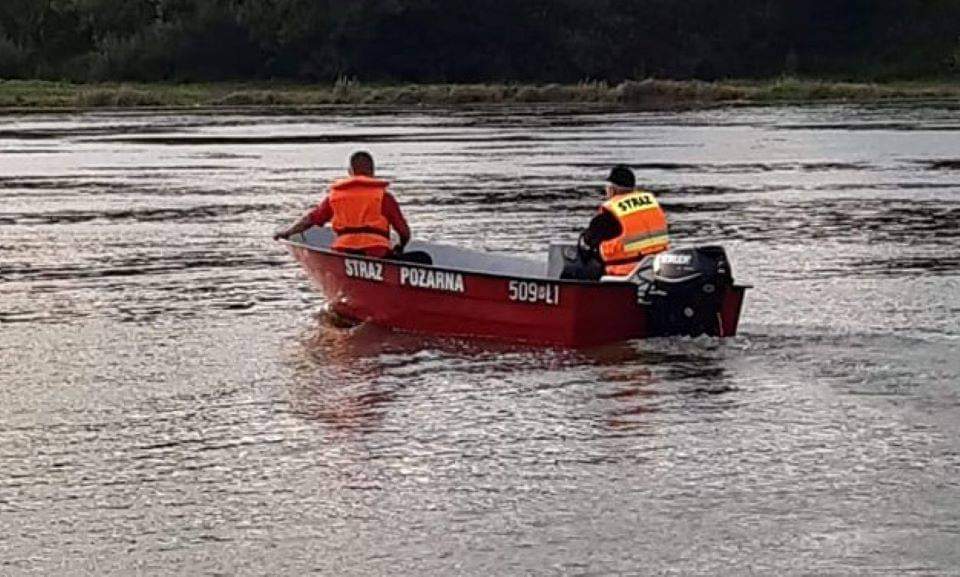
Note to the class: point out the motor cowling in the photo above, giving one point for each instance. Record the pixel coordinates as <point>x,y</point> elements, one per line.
<point>686,289</point>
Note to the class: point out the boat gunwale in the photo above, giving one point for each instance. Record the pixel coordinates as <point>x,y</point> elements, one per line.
<point>503,276</point>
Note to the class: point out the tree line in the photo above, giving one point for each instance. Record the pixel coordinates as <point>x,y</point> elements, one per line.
<point>476,40</point>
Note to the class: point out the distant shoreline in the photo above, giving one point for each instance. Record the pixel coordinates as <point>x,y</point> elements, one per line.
<point>27,95</point>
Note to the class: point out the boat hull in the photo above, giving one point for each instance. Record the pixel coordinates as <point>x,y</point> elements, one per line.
<point>437,301</point>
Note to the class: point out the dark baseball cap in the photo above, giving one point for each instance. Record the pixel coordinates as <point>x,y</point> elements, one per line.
<point>622,176</point>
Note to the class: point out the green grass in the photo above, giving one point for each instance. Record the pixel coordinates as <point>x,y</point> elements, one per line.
<point>31,94</point>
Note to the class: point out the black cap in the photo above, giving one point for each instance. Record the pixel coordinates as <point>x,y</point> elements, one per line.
<point>622,176</point>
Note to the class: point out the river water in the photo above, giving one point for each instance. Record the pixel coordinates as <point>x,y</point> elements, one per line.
<point>171,402</point>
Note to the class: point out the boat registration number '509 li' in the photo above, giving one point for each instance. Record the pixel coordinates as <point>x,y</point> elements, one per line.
<point>534,292</point>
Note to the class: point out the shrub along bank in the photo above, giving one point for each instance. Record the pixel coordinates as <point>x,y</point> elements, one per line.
<point>650,94</point>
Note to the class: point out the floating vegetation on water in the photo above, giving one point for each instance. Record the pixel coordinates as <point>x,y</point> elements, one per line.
<point>649,93</point>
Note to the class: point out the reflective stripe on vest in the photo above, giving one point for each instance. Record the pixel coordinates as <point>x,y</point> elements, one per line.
<point>358,220</point>
<point>364,230</point>
<point>643,231</point>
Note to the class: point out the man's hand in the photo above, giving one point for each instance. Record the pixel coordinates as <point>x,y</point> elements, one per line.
<point>302,224</point>
<point>584,248</point>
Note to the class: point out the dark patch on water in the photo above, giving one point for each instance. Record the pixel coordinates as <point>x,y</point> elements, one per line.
<point>144,171</point>
<point>30,151</point>
<point>940,164</point>
<point>726,168</point>
<point>888,186</point>
<point>52,183</point>
<point>227,156</point>
<point>78,131</point>
<point>875,126</point>
<point>702,207</point>
<point>908,223</point>
<point>906,263</point>
<point>27,317</point>
<point>139,266</point>
<point>205,213</point>
<point>357,138</point>
<point>882,220</point>
<point>527,197</point>
<point>760,189</point>
<point>510,147</point>
<point>30,134</point>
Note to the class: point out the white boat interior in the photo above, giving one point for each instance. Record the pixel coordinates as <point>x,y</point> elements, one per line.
<point>450,257</point>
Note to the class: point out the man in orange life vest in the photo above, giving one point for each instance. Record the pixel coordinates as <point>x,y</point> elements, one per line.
<point>360,211</point>
<point>629,226</point>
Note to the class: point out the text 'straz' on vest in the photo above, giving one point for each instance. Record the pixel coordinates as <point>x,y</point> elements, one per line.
<point>634,203</point>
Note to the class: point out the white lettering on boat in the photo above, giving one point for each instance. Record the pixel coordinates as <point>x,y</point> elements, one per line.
<point>534,292</point>
<point>678,259</point>
<point>363,269</point>
<point>432,279</point>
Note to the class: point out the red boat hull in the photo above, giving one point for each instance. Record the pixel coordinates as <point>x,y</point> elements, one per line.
<point>448,302</point>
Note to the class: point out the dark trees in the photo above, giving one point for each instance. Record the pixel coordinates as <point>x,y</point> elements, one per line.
<point>477,40</point>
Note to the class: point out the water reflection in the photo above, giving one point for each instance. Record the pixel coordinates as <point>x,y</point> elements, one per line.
<point>632,394</point>
<point>664,375</point>
<point>353,378</point>
<point>338,376</point>
<point>413,455</point>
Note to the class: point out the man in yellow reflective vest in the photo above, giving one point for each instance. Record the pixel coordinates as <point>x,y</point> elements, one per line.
<point>629,226</point>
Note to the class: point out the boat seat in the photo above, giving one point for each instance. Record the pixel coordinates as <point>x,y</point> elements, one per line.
<point>444,256</point>
<point>610,278</point>
<point>643,269</point>
<point>558,256</point>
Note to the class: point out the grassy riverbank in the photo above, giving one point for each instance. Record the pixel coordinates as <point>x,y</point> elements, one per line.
<point>644,94</point>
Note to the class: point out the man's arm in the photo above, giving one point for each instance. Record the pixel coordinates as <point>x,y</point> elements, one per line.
<point>391,211</point>
<point>318,216</point>
<point>602,227</point>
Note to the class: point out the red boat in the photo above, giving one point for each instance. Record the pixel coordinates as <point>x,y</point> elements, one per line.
<point>467,293</point>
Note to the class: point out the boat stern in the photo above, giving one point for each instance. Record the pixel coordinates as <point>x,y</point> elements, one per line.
<point>691,292</point>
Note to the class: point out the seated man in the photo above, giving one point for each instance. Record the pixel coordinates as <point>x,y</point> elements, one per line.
<point>630,226</point>
<point>361,212</point>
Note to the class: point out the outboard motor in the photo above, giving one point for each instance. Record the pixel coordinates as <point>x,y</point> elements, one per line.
<point>685,290</point>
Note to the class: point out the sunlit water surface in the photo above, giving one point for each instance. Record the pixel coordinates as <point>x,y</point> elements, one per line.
<point>171,402</point>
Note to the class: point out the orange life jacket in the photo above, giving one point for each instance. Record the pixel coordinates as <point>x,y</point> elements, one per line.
<point>357,214</point>
<point>644,231</point>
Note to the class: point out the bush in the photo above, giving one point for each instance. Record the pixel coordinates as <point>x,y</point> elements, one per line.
<point>346,89</point>
<point>119,97</point>
<point>250,98</point>
<point>531,94</point>
<point>476,93</point>
<point>407,95</point>
<point>651,91</point>
<point>633,92</point>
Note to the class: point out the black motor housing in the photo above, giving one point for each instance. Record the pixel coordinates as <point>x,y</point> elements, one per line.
<point>685,290</point>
